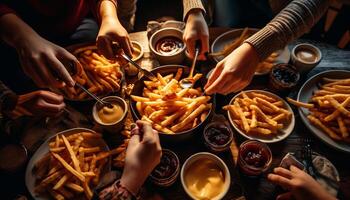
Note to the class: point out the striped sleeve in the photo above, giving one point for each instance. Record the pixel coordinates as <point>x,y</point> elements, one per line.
<point>292,22</point>
<point>189,5</point>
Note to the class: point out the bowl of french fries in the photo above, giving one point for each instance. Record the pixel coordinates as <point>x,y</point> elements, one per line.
<point>176,113</point>
<point>96,73</point>
<point>230,40</point>
<point>324,107</point>
<point>261,115</point>
<point>68,165</point>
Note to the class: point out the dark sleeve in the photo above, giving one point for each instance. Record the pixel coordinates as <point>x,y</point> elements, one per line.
<point>8,99</point>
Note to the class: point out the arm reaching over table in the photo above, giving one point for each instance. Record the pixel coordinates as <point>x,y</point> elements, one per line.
<point>111,31</point>
<point>142,156</point>
<point>236,71</point>
<point>41,60</point>
<point>196,28</point>
<point>300,185</point>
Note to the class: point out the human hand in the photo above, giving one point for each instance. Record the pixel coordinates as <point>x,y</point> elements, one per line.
<point>300,185</point>
<point>196,30</point>
<point>111,31</point>
<point>44,62</point>
<point>39,103</point>
<point>234,72</point>
<point>142,156</point>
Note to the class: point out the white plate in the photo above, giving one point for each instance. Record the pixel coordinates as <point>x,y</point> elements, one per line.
<point>281,135</point>
<point>228,37</point>
<point>306,92</point>
<point>43,149</point>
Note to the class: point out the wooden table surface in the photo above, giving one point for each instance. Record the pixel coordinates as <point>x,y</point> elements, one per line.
<point>260,188</point>
<point>254,188</point>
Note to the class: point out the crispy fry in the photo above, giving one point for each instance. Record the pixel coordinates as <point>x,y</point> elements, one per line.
<point>300,104</point>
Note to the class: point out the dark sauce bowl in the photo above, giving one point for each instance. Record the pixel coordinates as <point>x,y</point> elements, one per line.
<point>218,136</point>
<point>254,158</point>
<point>167,171</point>
<point>283,77</point>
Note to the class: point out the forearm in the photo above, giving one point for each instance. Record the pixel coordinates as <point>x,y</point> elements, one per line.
<point>107,10</point>
<point>13,30</point>
<point>292,22</point>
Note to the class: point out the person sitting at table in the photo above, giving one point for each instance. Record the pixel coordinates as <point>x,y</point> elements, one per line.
<point>37,103</point>
<point>33,27</point>
<point>300,185</point>
<point>196,28</point>
<point>236,71</point>
<point>142,156</point>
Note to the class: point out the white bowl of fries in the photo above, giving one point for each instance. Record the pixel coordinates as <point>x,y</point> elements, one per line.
<point>230,40</point>
<point>175,112</point>
<point>97,74</point>
<point>324,107</point>
<point>68,164</point>
<point>261,115</point>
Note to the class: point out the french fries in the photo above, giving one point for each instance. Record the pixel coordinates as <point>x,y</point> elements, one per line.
<point>263,67</point>
<point>169,107</point>
<point>329,108</point>
<point>99,75</point>
<point>258,113</point>
<point>74,170</point>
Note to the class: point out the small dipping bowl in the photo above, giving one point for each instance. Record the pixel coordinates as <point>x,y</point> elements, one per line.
<point>136,56</point>
<point>217,136</point>
<point>114,126</point>
<point>167,46</point>
<point>305,57</point>
<point>283,77</point>
<point>167,171</point>
<point>254,158</point>
<point>205,166</point>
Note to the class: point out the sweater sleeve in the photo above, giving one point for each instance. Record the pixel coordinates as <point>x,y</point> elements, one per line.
<point>8,99</point>
<point>188,5</point>
<point>292,22</point>
<point>95,8</point>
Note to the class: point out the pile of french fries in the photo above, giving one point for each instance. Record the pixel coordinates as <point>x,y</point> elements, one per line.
<point>263,67</point>
<point>258,113</point>
<point>99,75</point>
<point>170,108</point>
<point>72,167</point>
<point>330,108</point>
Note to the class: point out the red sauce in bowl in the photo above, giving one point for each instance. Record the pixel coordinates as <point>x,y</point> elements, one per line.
<point>169,45</point>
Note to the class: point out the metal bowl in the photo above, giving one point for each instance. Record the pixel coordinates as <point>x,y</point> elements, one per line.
<point>165,70</point>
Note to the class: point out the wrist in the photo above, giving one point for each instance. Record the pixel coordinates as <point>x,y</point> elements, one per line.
<point>131,183</point>
<point>194,13</point>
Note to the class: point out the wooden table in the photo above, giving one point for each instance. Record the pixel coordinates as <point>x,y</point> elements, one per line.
<point>258,188</point>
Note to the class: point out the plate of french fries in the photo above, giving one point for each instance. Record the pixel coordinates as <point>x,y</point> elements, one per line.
<point>96,73</point>
<point>68,165</point>
<point>261,115</point>
<point>172,110</point>
<point>230,40</point>
<point>324,107</point>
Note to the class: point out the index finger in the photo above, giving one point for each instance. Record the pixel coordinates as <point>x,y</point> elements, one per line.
<point>279,180</point>
<point>205,44</point>
<point>50,97</point>
<point>61,69</point>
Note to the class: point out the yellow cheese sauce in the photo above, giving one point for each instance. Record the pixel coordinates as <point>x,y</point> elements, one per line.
<point>204,179</point>
<point>110,115</point>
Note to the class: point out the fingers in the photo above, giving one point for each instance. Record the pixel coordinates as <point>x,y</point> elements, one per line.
<point>218,83</point>
<point>148,134</point>
<point>30,71</point>
<point>104,46</point>
<point>204,45</point>
<point>50,97</point>
<point>136,136</point>
<point>285,196</point>
<point>283,172</point>
<point>65,59</point>
<point>214,75</point>
<point>49,107</point>
<point>44,71</point>
<point>279,180</point>
<point>295,169</point>
<point>190,43</point>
